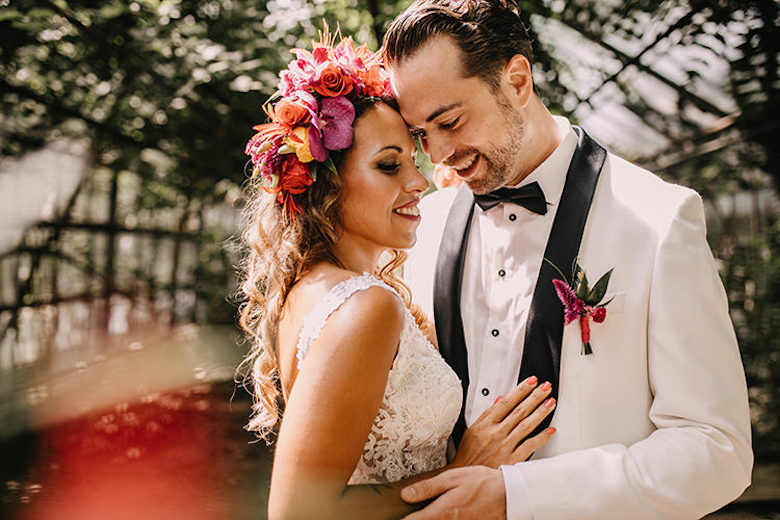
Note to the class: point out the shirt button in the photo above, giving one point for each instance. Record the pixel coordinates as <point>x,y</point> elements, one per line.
<point>512,217</point>
<point>501,273</point>
<point>494,332</point>
<point>485,392</point>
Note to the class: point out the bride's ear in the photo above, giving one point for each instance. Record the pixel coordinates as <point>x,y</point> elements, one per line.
<point>518,81</point>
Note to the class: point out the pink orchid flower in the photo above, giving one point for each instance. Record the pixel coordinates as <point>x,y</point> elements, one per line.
<point>332,129</point>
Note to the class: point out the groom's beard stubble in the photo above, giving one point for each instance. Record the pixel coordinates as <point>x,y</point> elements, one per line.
<point>501,162</point>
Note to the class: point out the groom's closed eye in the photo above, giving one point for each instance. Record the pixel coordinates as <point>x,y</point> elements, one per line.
<point>450,124</point>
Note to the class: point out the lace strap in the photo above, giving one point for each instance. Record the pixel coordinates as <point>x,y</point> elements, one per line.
<point>336,296</point>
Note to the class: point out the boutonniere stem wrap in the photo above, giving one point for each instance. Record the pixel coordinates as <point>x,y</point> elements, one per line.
<point>582,303</point>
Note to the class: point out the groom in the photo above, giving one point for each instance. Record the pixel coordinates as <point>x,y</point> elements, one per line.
<point>652,416</point>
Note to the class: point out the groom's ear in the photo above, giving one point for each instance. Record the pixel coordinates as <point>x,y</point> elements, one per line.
<point>517,75</point>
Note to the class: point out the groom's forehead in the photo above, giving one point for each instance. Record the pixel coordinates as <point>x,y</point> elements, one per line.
<point>421,102</point>
<point>426,86</point>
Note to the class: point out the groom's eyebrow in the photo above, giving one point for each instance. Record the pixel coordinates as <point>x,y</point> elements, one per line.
<point>439,111</point>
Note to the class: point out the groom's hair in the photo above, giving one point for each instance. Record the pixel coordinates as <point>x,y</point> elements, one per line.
<point>487,32</point>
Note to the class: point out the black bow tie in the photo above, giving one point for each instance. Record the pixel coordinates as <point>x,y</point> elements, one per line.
<point>529,196</point>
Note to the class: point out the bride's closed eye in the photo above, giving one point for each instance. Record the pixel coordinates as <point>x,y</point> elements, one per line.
<point>388,167</point>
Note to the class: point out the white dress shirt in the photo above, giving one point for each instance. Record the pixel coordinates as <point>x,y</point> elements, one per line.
<point>503,258</point>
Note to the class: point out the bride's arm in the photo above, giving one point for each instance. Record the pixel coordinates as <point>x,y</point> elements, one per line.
<point>330,412</point>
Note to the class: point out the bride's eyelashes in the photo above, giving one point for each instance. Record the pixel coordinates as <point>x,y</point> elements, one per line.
<point>388,167</point>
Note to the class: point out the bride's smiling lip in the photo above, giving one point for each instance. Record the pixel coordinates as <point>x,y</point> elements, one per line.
<point>409,210</point>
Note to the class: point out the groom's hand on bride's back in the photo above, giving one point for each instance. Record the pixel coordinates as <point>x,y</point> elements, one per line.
<point>498,436</point>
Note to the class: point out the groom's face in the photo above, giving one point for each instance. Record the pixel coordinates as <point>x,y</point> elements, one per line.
<point>463,122</point>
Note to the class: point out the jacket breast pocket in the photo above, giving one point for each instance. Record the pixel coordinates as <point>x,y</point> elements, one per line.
<point>616,302</point>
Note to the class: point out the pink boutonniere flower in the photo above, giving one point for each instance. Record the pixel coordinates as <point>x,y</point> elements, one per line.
<point>581,303</point>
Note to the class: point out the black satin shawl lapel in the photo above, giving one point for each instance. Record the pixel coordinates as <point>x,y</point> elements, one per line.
<point>544,329</point>
<point>447,289</point>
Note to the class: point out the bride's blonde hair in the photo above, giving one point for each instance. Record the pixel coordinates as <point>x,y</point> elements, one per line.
<point>280,250</point>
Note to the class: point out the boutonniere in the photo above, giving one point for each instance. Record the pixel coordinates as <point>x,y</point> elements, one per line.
<point>582,303</point>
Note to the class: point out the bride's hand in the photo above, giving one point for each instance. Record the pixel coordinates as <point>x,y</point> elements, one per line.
<point>498,436</point>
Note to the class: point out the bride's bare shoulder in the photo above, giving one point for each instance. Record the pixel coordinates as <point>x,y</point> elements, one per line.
<point>320,279</point>
<point>311,288</point>
<point>369,316</point>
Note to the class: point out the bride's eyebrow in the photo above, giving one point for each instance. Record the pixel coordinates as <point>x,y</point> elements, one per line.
<point>388,147</point>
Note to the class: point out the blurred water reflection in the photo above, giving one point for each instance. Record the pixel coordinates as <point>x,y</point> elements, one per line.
<point>173,455</point>
<point>152,430</point>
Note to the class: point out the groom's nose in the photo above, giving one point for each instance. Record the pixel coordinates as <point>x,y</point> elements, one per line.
<point>438,147</point>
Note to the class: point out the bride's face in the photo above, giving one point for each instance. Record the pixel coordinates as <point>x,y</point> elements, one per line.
<point>380,182</point>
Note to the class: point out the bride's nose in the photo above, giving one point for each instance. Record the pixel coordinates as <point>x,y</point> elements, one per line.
<point>415,181</point>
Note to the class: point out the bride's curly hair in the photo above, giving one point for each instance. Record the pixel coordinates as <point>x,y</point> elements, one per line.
<point>280,249</point>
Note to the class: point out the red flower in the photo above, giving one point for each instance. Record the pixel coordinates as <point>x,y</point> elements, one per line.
<point>599,314</point>
<point>294,176</point>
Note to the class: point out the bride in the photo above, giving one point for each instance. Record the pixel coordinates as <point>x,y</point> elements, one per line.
<point>369,404</point>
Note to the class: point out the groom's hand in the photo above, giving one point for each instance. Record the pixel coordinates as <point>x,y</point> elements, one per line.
<point>470,492</point>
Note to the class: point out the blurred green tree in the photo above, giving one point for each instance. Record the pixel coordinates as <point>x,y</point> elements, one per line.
<point>168,90</point>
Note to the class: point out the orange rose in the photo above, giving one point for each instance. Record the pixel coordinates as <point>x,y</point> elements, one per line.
<point>330,81</point>
<point>291,112</point>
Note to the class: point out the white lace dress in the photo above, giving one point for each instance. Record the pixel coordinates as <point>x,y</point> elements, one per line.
<point>421,402</point>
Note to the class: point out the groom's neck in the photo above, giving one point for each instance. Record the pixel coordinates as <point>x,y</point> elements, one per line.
<point>542,137</point>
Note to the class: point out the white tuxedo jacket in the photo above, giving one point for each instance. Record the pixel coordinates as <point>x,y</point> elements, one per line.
<point>655,423</point>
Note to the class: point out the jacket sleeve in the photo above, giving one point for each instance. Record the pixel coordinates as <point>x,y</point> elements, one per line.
<point>699,457</point>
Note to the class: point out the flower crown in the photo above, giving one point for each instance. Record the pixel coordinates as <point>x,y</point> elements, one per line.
<point>314,115</point>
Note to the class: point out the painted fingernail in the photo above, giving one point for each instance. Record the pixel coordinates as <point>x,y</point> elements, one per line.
<point>531,381</point>
<point>545,386</point>
<point>497,398</point>
<point>551,430</point>
<point>550,402</point>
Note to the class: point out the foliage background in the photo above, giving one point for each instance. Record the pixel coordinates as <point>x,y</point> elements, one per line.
<point>159,97</point>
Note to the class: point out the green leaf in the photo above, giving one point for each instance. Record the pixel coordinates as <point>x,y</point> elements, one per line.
<point>329,165</point>
<point>285,149</point>
<point>600,289</point>
<point>10,14</point>
<point>582,285</point>
<point>313,170</point>
<point>575,271</point>
<point>563,276</point>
